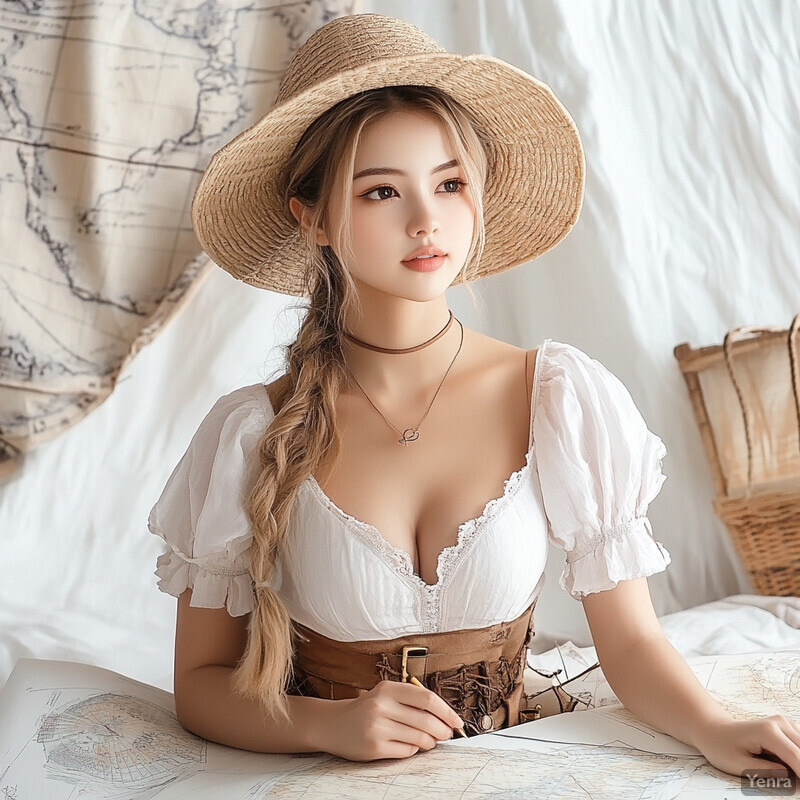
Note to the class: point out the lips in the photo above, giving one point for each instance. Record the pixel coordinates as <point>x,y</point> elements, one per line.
<point>424,251</point>
<point>424,264</point>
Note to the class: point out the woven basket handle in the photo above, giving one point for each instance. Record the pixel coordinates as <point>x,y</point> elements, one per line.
<point>745,331</point>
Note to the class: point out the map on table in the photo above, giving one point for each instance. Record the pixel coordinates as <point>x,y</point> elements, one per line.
<point>69,730</point>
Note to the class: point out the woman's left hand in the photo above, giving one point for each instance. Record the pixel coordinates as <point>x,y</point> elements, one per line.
<point>734,746</point>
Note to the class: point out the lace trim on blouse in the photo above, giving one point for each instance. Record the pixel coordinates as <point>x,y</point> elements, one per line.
<point>450,557</point>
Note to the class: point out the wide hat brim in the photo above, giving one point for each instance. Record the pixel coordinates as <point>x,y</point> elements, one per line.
<point>532,196</point>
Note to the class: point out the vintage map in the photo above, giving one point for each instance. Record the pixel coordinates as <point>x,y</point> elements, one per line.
<point>109,112</point>
<point>70,730</point>
<point>112,739</point>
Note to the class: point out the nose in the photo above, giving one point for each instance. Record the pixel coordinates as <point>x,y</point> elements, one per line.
<point>422,220</point>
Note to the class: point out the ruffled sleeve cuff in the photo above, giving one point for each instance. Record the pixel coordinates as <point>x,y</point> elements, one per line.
<point>201,513</point>
<point>624,552</point>
<point>215,583</point>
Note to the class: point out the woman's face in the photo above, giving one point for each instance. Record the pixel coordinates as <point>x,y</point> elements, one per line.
<point>412,198</point>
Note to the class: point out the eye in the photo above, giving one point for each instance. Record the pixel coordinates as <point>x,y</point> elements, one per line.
<point>458,183</point>
<point>378,189</point>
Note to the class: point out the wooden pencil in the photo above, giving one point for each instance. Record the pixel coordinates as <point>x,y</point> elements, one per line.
<point>460,731</point>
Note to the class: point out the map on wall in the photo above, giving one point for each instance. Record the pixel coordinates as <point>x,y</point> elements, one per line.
<point>109,112</point>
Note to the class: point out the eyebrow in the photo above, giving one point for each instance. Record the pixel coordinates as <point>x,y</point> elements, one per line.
<point>392,171</point>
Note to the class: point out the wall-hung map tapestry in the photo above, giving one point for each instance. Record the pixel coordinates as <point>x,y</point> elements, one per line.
<point>109,112</point>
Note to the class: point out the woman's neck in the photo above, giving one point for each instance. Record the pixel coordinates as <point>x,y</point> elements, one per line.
<point>392,375</point>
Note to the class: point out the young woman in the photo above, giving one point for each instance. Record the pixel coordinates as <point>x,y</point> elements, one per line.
<point>382,510</point>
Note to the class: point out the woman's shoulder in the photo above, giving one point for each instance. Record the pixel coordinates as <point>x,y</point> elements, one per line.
<point>488,353</point>
<point>233,421</point>
<point>553,369</point>
<point>574,389</point>
<point>251,400</point>
<point>560,361</point>
<point>277,392</point>
<point>491,360</point>
<point>253,393</point>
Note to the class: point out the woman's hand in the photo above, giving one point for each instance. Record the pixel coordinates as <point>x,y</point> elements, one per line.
<point>391,720</point>
<point>734,746</point>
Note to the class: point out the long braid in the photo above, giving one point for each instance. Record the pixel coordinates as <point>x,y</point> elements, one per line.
<point>304,433</point>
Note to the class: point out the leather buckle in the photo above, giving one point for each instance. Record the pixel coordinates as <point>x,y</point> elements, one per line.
<point>412,650</point>
<point>530,714</point>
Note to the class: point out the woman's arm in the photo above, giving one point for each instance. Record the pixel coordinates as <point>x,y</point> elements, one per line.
<point>392,720</point>
<point>208,644</point>
<point>653,681</point>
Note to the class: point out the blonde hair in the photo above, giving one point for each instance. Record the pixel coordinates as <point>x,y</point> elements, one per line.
<point>304,429</point>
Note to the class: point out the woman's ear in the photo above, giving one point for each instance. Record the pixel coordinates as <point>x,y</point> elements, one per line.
<point>303,215</point>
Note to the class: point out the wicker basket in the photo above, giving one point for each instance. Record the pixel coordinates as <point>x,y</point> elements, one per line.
<point>745,396</point>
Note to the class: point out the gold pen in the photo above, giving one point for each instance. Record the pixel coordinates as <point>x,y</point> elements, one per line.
<point>413,680</point>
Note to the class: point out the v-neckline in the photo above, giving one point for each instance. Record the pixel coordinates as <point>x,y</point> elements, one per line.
<point>398,558</point>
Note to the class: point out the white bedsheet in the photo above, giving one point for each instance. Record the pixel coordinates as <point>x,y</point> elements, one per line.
<point>735,625</point>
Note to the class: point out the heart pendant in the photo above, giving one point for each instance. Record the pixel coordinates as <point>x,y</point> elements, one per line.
<point>409,435</point>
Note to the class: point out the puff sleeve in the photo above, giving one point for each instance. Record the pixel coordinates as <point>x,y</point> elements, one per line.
<point>201,511</point>
<point>599,468</point>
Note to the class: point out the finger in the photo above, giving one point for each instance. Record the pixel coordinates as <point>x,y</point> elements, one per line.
<point>430,701</point>
<point>781,749</point>
<point>793,731</point>
<point>762,768</point>
<point>409,734</point>
<point>394,749</point>
<point>423,720</point>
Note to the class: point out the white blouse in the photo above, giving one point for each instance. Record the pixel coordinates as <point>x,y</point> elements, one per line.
<point>592,468</point>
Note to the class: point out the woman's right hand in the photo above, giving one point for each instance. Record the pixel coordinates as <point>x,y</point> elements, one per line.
<point>391,720</point>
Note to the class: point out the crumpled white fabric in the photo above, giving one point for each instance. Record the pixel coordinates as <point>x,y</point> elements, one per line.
<point>599,469</point>
<point>201,511</point>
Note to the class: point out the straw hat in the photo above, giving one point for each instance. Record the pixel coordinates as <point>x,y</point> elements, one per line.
<point>533,192</point>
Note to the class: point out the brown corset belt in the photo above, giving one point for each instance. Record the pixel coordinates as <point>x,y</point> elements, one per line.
<point>478,671</point>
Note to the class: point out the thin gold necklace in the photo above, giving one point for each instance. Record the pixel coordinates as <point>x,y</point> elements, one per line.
<point>412,434</point>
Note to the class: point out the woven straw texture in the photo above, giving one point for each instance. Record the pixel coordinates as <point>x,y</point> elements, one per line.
<point>535,184</point>
<point>746,398</point>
